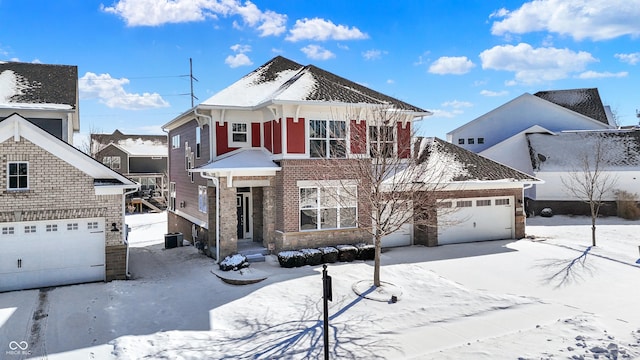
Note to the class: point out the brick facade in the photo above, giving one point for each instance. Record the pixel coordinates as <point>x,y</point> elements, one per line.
<point>58,190</point>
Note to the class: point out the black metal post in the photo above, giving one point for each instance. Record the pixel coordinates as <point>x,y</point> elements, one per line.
<point>326,297</point>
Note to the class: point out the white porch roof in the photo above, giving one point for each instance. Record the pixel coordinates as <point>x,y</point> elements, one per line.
<point>249,162</point>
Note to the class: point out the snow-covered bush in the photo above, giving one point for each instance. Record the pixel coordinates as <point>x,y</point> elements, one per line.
<point>365,251</point>
<point>290,259</point>
<point>329,254</point>
<point>312,256</point>
<point>347,252</point>
<point>546,212</point>
<point>234,262</point>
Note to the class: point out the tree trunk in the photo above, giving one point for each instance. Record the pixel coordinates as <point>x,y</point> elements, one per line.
<point>376,261</point>
<point>593,232</point>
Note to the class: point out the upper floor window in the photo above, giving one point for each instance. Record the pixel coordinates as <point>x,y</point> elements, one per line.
<point>460,141</point>
<point>239,133</point>
<point>327,139</point>
<point>175,141</point>
<point>112,161</point>
<point>18,175</point>
<point>381,141</point>
<point>198,143</point>
<point>480,140</point>
<point>470,141</point>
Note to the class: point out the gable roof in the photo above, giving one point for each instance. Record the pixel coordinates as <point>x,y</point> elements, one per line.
<point>281,80</point>
<point>583,101</point>
<point>464,165</point>
<point>562,151</point>
<point>15,126</point>
<point>134,145</point>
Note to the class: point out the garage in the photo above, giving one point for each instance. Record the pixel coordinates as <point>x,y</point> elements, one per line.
<point>476,219</point>
<point>50,253</point>
<point>401,237</point>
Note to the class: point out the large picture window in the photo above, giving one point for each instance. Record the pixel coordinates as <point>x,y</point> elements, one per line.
<point>18,175</point>
<point>324,208</point>
<point>381,141</point>
<point>327,139</point>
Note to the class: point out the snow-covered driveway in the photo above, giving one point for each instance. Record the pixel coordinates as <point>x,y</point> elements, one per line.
<point>490,300</point>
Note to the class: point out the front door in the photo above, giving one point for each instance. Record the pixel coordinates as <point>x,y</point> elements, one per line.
<point>243,211</point>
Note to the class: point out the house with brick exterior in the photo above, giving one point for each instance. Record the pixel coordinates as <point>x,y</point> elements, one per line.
<point>61,212</point>
<point>243,164</point>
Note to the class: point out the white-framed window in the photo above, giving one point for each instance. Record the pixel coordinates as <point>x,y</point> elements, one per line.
<point>175,141</point>
<point>381,141</point>
<point>480,140</point>
<point>324,208</point>
<point>470,141</point>
<point>17,175</point>
<point>72,226</point>
<point>504,201</point>
<point>112,161</point>
<point>8,230</point>
<point>172,196</point>
<point>202,198</point>
<point>460,141</point>
<point>30,229</point>
<point>198,142</point>
<point>464,203</point>
<point>327,139</point>
<point>91,225</point>
<point>486,202</point>
<point>52,227</point>
<point>239,134</point>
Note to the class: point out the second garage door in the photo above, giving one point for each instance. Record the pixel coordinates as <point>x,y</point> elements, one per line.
<point>49,253</point>
<point>476,219</point>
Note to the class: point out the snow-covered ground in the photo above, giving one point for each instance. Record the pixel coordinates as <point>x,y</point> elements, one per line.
<point>486,300</point>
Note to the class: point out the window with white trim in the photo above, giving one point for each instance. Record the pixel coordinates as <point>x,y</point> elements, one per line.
<point>239,133</point>
<point>72,226</point>
<point>464,203</point>
<point>175,141</point>
<point>52,227</point>
<point>198,142</point>
<point>30,229</point>
<point>324,208</point>
<point>381,141</point>
<point>9,230</point>
<point>486,202</point>
<point>172,196</point>
<point>113,162</point>
<point>327,139</point>
<point>202,198</point>
<point>502,201</point>
<point>91,225</point>
<point>18,175</point>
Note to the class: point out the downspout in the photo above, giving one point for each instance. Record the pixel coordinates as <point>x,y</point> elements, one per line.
<point>216,183</point>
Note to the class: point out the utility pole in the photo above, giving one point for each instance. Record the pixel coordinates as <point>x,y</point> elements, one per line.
<point>191,78</point>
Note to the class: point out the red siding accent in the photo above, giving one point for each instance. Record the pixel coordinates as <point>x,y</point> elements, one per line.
<point>404,140</point>
<point>277,137</point>
<point>268,136</point>
<point>295,136</point>
<point>255,134</point>
<point>358,137</point>
<point>222,139</point>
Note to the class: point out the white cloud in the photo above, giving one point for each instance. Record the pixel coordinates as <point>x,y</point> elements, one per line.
<point>456,104</point>
<point>535,65</point>
<point>451,65</point>
<point>438,113</point>
<point>391,81</point>
<point>373,54</point>
<point>580,19</point>
<point>238,60</point>
<point>160,12</point>
<point>490,93</point>
<point>601,75</point>
<point>111,92</point>
<point>632,58</point>
<point>320,30</point>
<point>317,52</point>
<point>240,48</point>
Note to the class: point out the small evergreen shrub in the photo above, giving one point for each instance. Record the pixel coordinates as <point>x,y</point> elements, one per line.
<point>329,254</point>
<point>627,204</point>
<point>234,262</point>
<point>365,251</point>
<point>546,212</point>
<point>312,256</point>
<point>347,252</point>
<point>291,259</point>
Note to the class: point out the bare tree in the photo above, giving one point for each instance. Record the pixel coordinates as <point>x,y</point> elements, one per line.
<point>90,143</point>
<point>388,173</point>
<point>590,181</point>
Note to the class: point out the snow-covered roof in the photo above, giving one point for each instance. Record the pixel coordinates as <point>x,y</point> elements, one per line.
<point>29,83</point>
<point>241,160</point>
<point>134,145</point>
<point>563,151</point>
<point>282,80</point>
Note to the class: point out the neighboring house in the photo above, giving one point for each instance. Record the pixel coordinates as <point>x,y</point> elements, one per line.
<point>555,156</point>
<point>141,158</point>
<point>577,109</point>
<point>61,212</point>
<point>241,164</point>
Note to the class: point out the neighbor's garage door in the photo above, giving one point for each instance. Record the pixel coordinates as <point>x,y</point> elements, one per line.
<point>404,235</point>
<point>49,253</point>
<point>476,219</point>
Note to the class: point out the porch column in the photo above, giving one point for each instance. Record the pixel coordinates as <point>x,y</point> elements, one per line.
<point>228,220</point>
<point>269,213</point>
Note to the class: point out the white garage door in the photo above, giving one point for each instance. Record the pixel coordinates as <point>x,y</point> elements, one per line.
<point>49,253</point>
<point>402,237</point>
<point>476,219</point>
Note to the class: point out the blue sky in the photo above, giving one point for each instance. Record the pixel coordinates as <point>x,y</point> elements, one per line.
<point>459,59</point>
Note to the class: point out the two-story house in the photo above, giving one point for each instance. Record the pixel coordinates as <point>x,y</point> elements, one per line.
<point>243,164</point>
<point>61,212</point>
